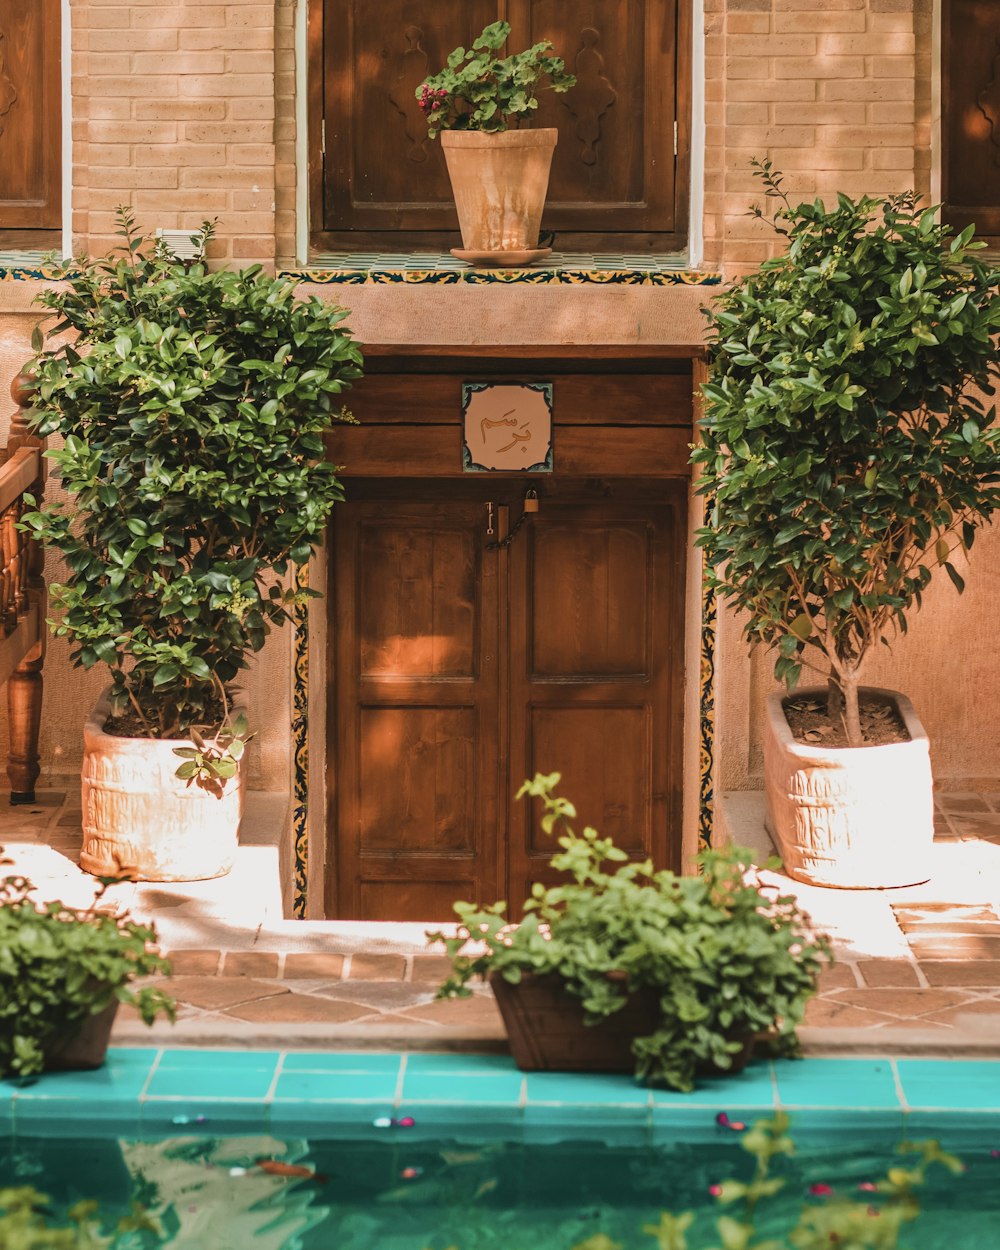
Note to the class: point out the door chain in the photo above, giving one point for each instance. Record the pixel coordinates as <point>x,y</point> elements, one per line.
<point>505,542</point>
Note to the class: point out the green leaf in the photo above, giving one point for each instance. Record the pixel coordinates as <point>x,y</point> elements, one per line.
<point>801,626</point>
<point>956,578</point>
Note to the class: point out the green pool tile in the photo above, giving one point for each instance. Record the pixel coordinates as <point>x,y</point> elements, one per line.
<point>473,1090</point>
<point>183,1116</point>
<point>328,1119</point>
<point>968,1085</point>
<point>751,1089</point>
<point>429,1063</point>
<point>219,1061</point>
<point>341,1061</point>
<point>108,1091</point>
<point>618,1129</point>
<point>336,1086</point>
<point>836,1083</point>
<point>674,1124</point>
<point>961,1132</point>
<point>582,1089</point>
<point>210,1083</point>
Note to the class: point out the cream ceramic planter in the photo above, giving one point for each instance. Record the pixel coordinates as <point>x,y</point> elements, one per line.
<point>499,182</point>
<point>138,816</point>
<point>850,817</point>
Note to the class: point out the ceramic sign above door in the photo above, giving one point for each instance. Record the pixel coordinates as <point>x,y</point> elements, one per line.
<point>507,427</point>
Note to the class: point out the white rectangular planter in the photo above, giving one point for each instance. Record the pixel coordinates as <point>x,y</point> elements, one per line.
<point>850,817</point>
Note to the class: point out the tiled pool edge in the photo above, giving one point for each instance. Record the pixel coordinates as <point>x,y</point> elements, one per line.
<point>336,1093</point>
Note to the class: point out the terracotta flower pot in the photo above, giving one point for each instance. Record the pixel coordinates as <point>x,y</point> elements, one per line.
<point>850,817</point>
<point>499,182</point>
<point>85,1048</point>
<point>547,1031</point>
<point>138,816</point>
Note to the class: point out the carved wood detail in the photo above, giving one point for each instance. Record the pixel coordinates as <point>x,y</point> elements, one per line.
<point>8,92</point>
<point>592,96</point>
<point>413,65</point>
<point>989,104</point>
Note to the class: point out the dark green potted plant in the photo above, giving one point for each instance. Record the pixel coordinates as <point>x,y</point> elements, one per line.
<point>499,172</point>
<point>849,454</point>
<point>191,407</point>
<point>63,973</point>
<point>634,968</point>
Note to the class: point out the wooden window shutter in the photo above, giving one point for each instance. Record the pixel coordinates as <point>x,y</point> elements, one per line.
<point>970,108</point>
<point>616,183</point>
<point>30,115</point>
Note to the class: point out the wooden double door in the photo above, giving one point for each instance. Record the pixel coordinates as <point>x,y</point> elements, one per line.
<point>460,668</point>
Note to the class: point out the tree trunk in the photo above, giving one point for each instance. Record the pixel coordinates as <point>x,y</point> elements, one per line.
<point>842,704</point>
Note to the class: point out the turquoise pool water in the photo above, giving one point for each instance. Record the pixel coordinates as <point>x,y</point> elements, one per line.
<point>426,1152</point>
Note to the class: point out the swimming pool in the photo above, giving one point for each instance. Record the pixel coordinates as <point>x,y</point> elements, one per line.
<point>427,1151</point>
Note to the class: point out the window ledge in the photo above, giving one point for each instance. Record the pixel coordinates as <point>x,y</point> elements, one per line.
<point>569,268</point>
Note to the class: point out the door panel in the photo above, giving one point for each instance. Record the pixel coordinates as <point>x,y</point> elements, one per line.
<point>608,579</point>
<point>414,774</point>
<point>30,131</point>
<point>970,127</point>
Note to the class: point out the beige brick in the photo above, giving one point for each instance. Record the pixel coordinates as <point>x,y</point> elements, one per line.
<point>104,63</point>
<point>182,63</point>
<point>244,62</point>
<point>770,90</point>
<point>132,132</point>
<point>173,16</point>
<point>227,132</point>
<point>892,113</point>
<point>893,66</point>
<point>865,136</point>
<point>885,89</point>
<point>885,44</point>
<point>116,40</point>
<point>771,45</point>
<point>252,110</point>
<point>844,20</point>
<point>231,179</point>
<point>254,201</point>
<point>748,23</point>
<point>250,15</point>
<point>178,201</point>
<point>771,136</point>
<point>149,86</point>
<point>250,153</point>
<point>128,178</point>
<point>235,85</point>
<point>892,158</point>
<point>180,110</point>
<point>255,248</point>
<point>822,113</point>
<point>110,109</point>
<point>825,67</point>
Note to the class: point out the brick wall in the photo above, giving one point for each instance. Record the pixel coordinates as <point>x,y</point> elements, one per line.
<point>174,113</point>
<point>835,92</point>
<point>186,109</point>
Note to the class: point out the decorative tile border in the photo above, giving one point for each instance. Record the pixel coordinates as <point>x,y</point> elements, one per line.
<point>300,743</point>
<point>706,709</point>
<point>331,1093</point>
<point>567,276</point>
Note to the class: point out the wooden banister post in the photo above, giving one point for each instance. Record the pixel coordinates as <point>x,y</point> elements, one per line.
<point>24,686</point>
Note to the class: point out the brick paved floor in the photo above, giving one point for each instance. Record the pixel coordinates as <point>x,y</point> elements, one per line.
<point>917,968</point>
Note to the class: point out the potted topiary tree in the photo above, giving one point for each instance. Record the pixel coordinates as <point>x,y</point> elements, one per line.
<point>499,174</point>
<point>848,455</point>
<point>191,406</point>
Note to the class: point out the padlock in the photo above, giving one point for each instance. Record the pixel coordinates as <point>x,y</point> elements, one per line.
<point>531,501</point>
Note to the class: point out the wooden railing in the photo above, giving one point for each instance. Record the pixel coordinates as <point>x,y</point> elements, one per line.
<point>22,597</point>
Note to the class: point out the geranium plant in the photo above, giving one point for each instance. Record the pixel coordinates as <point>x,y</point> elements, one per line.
<point>191,407</point>
<point>59,966</point>
<point>479,90</point>
<point>728,961</point>
<point>847,445</point>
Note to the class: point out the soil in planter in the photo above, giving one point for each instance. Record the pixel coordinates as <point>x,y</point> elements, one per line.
<point>810,722</point>
<point>128,724</point>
